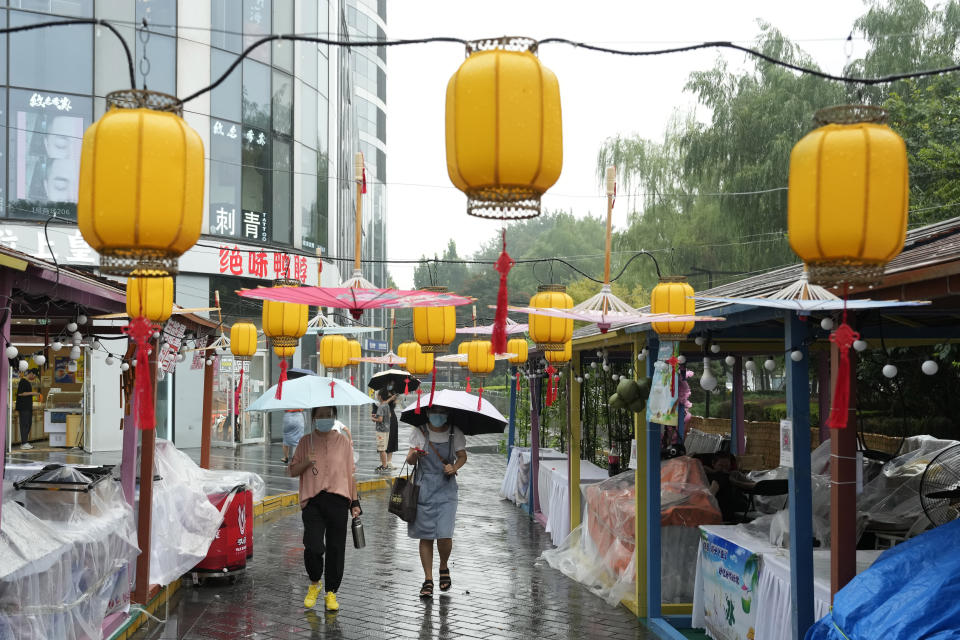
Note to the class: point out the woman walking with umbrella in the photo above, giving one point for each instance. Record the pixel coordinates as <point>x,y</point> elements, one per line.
<point>438,449</point>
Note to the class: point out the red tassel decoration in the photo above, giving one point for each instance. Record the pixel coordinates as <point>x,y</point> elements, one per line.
<point>550,394</point>
<point>503,265</point>
<point>480,399</point>
<point>283,377</point>
<point>333,383</point>
<point>351,379</point>
<point>843,337</point>
<point>417,410</point>
<point>141,331</point>
<point>518,382</point>
<point>433,384</point>
<point>468,384</point>
<point>406,386</point>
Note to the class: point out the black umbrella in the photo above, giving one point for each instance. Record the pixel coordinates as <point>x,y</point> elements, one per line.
<point>462,410</point>
<point>394,380</point>
<point>293,374</point>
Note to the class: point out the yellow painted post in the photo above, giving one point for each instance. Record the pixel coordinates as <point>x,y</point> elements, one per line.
<point>640,480</point>
<point>573,411</point>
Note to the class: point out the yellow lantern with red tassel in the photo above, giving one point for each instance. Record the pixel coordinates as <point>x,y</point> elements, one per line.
<point>519,347</point>
<point>334,352</point>
<point>284,323</point>
<point>480,361</point>
<point>150,297</point>
<point>673,295</point>
<point>418,364</point>
<point>549,332</point>
<point>243,340</point>
<point>354,353</point>
<point>434,328</point>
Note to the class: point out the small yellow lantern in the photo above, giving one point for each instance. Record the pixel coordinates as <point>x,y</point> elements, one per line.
<point>480,358</point>
<point>550,333</point>
<point>462,349</point>
<point>334,352</point>
<point>559,356</point>
<point>519,347</point>
<point>150,298</point>
<point>503,129</point>
<point>849,194</point>
<point>284,323</point>
<point>354,352</point>
<point>675,296</point>
<point>243,339</point>
<point>140,203</point>
<point>434,327</point>
<point>418,362</point>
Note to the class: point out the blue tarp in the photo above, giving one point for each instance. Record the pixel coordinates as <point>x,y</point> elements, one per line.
<point>912,592</point>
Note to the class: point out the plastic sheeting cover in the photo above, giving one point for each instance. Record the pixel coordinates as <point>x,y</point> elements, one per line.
<point>63,560</point>
<point>912,591</point>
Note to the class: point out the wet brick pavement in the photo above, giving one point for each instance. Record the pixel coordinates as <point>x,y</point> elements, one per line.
<point>499,588</point>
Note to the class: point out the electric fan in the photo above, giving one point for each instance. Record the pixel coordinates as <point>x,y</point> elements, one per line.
<point>940,487</point>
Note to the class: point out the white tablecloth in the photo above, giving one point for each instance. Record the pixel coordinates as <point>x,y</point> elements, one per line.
<point>554,490</point>
<point>516,480</point>
<point>773,591</point>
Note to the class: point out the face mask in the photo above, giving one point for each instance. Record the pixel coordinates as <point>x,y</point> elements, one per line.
<point>323,424</point>
<point>437,419</point>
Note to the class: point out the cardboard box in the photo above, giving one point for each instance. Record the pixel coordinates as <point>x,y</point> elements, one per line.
<point>74,421</point>
<point>58,439</point>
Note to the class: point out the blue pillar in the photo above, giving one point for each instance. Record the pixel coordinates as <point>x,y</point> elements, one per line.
<point>737,440</point>
<point>512,430</point>
<point>652,470</point>
<point>533,504</point>
<point>801,507</point>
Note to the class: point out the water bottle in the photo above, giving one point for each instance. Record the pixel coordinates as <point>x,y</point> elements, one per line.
<point>359,541</point>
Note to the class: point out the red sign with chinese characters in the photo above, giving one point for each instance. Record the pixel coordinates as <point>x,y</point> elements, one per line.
<point>257,265</point>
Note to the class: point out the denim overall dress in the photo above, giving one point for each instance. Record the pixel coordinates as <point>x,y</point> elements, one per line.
<point>437,504</point>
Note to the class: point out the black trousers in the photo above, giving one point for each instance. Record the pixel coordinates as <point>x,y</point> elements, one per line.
<point>325,533</point>
<point>26,423</point>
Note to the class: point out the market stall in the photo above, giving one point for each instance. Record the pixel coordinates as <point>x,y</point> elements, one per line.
<point>554,492</point>
<point>516,481</point>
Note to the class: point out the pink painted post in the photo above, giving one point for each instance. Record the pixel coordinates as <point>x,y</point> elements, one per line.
<point>5,290</point>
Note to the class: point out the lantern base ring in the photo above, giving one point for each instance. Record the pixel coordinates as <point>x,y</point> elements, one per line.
<point>551,346</point>
<point>672,337</point>
<point>433,348</point>
<point>503,202</point>
<point>144,263</point>
<point>845,272</point>
<point>284,341</point>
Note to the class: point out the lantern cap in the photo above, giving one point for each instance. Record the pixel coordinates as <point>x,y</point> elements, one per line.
<point>851,114</point>
<point>143,99</point>
<point>673,278</point>
<point>503,202</point>
<point>503,43</point>
<point>435,289</point>
<point>287,282</point>
<point>557,288</point>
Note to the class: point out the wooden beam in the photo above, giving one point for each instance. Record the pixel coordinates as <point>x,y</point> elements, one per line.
<point>843,493</point>
<point>148,441</point>
<point>206,423</point>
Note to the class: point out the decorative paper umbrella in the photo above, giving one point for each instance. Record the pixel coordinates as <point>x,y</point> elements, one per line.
<point>462,409</point>
<point>356,300</point>
<point>308,392</point>
<point>462,357</point>
<point>611,318</point>
<point>391,359</point>
<point>394,379</point>
<point>322,324</point>
<point>511,328</point>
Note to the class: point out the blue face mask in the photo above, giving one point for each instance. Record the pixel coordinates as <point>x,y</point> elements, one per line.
<point>437,419</point>
<point>323,424</point>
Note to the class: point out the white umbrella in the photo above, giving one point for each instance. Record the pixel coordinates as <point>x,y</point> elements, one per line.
<point>462,409</point>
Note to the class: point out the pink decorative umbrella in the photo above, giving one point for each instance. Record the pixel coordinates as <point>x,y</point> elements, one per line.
<point>511,328</point>
<point>356,300</point>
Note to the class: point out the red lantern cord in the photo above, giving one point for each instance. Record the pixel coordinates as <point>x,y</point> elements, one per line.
<point>333,383</point>
<point>550,392</point>
<point>468,384</point>
<point>236,393</point>
<point>480,399</point>
<point>141,331</point>
<point>351,379</point>
<point>503,266</point>
<point>673,361</point>
<point>417,410</point>
<point>518,382</point>
<point>433,384</point>
<point>406,386</point>
<point>283,377</point>
<point>844,337</point>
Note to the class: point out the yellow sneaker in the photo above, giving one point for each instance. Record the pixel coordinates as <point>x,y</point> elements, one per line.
<point>313,592</point>
<point>331,601</point>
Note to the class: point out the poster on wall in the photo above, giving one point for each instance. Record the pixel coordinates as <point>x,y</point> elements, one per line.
<point>173,333</point>
<point>730,577</point>
<point>664,390</point>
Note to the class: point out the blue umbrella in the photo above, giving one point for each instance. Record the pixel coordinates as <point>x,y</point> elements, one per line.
<point>307,392</point>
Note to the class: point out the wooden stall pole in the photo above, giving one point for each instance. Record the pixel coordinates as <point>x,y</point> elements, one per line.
<point>512,429</point>
<point>534,503</point>
<point>652,472</point>
<point>640,480</point>
<point>573,457</point>
<point>148,441</point>
<point>800,499</point>
<point>843,491</point>
<point>206,424</point>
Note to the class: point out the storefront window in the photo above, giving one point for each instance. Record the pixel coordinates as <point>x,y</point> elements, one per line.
<point>282,103</point>
<point>307,116</point>
<point>45,136</point>
<point>225,100</point>
<point>308,198</point>
<point>226,23</point>
<point>282,191</point>
<point>256,94</point>
<point>283,23</point>
<point>225,172</point>
<point>257,170</point>
<point>323,107</point>
<point>53,59</point>
<point>256,25</point>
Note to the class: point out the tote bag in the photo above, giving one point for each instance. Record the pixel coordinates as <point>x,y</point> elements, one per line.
<point>404,495</point>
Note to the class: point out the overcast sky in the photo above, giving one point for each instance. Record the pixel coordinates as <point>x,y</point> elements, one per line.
<point>602,95</point>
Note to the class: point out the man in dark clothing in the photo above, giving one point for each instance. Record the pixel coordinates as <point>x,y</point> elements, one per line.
<point>24,406</point>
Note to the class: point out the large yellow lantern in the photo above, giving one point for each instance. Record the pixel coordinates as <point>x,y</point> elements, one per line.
<point>150,298</point>
<point>848,198</point>
<point>418,362</point>
<point>559,356</point>
<point>673,295</point>
<point>550,333</point>
<point>462,350</point>
<point>503,129</point>
<point>519,347</point>
<point>354,352</point>
<point>284,323</point>
<point>243,339</point>
<point>140,203</point>
<point>434,328</point>
<point>334,352</point>
<point>480,358</point>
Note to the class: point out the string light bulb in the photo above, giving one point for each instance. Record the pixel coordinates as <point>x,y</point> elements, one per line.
<point>769,364</point>
<point>708,381</point>
<point>890,370</point>
<point>796,355</point>
<point>12,352</point>
<point>23,365</point>
<point>714,348</point>
<point>930,367</point>
<point>730,360</point>
<point>859,345</point>
<point>826,324</point>
<point>71,327</point>
<point>56,345</point>
<point>40,359</point>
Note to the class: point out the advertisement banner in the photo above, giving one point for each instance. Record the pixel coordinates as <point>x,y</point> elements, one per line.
<point>664,386</point>
<point>730,576</point>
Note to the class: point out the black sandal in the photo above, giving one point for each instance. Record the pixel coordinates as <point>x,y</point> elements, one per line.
<point>445,582</point>
<point>426,591</point>
<point>284,460</point>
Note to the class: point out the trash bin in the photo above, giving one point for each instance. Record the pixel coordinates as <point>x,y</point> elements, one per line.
<point>233,544</point>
